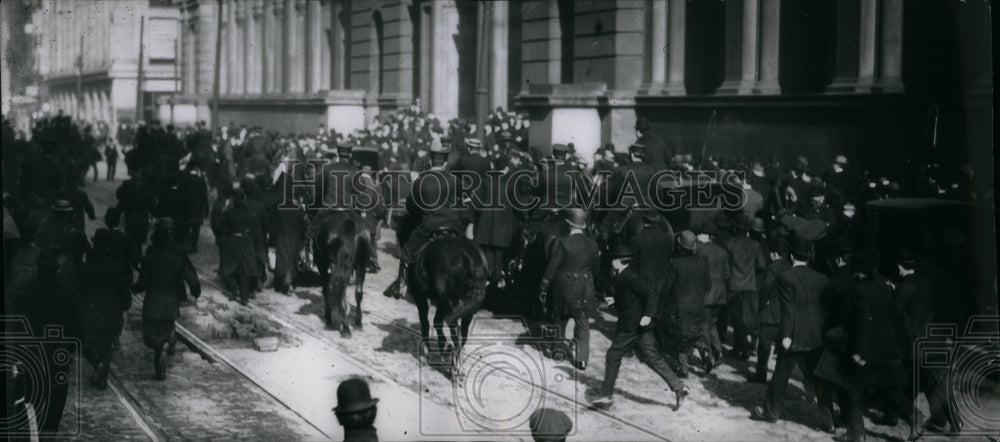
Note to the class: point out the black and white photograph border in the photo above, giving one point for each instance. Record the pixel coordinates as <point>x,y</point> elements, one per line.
<point>491,220</point>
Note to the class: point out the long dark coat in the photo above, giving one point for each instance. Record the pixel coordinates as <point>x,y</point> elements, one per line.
<point>287,234</point>
<point>653,247</point>
<point>575,261</point>
<point>634,299</point>
<point>165,271</point>
<point>496,226</point>
<point>684,302</point>
<point>718,268</point>
<point>769,311</point>
<point>103,299</point>
<point>238,226</point>
<point>801,313</point>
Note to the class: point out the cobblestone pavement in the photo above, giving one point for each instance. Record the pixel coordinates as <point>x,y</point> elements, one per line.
<point>306,369</point>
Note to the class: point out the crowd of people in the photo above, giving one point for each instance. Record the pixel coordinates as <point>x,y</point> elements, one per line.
<point>788,272</point>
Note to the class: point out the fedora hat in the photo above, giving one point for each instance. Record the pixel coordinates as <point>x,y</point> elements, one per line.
<point>353,395</point>
<point>687,240</point>
<point>757,225</point>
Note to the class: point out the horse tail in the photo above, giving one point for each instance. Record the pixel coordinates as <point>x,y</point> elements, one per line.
<point>474,287</point>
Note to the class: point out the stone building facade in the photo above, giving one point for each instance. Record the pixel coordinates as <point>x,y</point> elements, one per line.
<point>89,57</point>
<point>767,77</point>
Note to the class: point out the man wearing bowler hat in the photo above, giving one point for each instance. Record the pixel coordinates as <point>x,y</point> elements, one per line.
<point>800,333</point>
<point>356,410</point>
<point>549,425</point>
<point>682,306</point>
<point>570,273</point>
<point>637,302</point>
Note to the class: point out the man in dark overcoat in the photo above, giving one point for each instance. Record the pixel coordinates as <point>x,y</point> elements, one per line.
<point>238,226</point>
<point>746,259</point>
<point>637,304</point>
<point>658,154</point>
<point>570,276</point>
<point>717,297</point>
<point>106,294</point>
<point>136,201</point>
<point>497,226</point>
<point>196,188</point>
<point>769,310</point>
<point>165,271</point>
<point>800,330</point>
<point>682,305</point>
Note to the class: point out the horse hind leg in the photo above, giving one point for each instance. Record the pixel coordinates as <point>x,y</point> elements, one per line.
<point>359,294</point>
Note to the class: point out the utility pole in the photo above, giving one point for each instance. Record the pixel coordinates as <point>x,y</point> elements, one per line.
<point>141,71</point>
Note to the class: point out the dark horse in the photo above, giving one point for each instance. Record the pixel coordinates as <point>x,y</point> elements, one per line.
<point>450,272</point>
<point>343,247</point>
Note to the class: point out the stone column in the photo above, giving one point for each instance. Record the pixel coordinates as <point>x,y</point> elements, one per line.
<point>205,48</point>
<point>251,67</point>
<point>890,68</point>
<point>323,44</point>
<point>658,42</point>
<point>866,45</point>
<point>675,48</point>
<point>267,46</point>
<point>277,37</point>
<point>288,47</point>
<point>226,47</point>
<point>444,85</point>
<point>300,57</point>
<point>338,70</point>
<point>846,72</point>
<point>239,55</point>
<point>770,32</point>
<point>741,50</point>
<point>314,42</point>
<point>499,53</point>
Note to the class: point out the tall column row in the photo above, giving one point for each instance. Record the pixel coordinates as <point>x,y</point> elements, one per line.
<point>869,46</point>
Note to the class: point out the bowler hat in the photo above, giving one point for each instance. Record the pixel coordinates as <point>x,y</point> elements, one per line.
<point>757,225</point>
<point>353,395</point>
<point>439,154</point>
<point>650,215</point>
<point>506,136</point>
<point>577,218</point>
<point>743,223</point>
<point>620,251</point>
<point>722,221</point>
<point>560,150</point>
<point>642,123</point>
<point>343,148</point>
<point>239,195</point>
<point>801,247</point>
<point>777,244</point>
<point>840,245</point>
<point>637,149</point>
<point>549,425</point>
<point>165,223</point>
<point>61,205</point>
<point>865,261</point>
<point>906,257</point>
<point>686,240</point>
